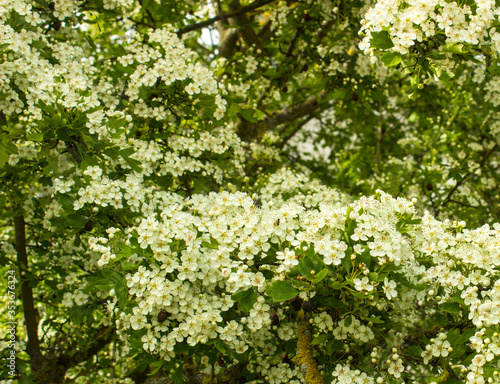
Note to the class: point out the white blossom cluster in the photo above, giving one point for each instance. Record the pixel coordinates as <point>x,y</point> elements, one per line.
<point>33,74</point>
<point>187,154</point>
<point>438,347</point>
<point>487,348</point>
<point>464,262</point>
<point>409,22</point>
<point>290,186</point>
<point>40,74</point>
<point>166,59</point>
<point>203,249</point>
<point>355,329</point>
<point>193,280</point>
<point>343,374</point>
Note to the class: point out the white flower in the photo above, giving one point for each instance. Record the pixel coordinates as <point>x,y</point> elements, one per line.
<point>389,288</point>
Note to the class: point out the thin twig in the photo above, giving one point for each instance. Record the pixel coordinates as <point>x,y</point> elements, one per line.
<point>295,130</point>
<point>206,23</point>
<point>467,175</point>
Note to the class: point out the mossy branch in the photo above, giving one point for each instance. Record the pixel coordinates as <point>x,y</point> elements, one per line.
<point>304,357</point>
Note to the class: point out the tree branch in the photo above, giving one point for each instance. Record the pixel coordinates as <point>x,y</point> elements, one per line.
<point>304,355</point>
<point>467,175</point>
<point>247,33</point>
<point>295,130</point>
<point>239,11</point>
<point>231,375</point>
<point>54,368</point>
<point>463,204</point>
<point>248,131</point>
<point>33,346</point>
<point>288,54</point>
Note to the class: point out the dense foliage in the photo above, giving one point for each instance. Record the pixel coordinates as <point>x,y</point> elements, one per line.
<point>250,191</point>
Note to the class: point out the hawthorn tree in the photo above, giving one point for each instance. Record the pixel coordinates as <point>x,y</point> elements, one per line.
<point>250,191</point>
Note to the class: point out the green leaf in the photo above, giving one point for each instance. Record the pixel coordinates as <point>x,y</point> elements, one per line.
<point>77,222</point>
<point>391,59</point>
<point>200,184</point>
<point>221,347</point>
<point>339,93</point>
<point>450,307</point>
<point>34,136</point>
<point>88,161</point>
<point>52,166</point>
<point>157,365</point>
<point>374,320</point>
<point>111,275</point>
<point>320,339</point>
<point>399,278</point>
<point>381,40</point>
<point>414,221</point>
<point>3,47</point>
<point>359,295</point>
<point>373,276</point>
<point>245,299</point>
<point>436,56</point>
<point>3,157</point>
<point>337,285</point>
<point>440,319</point>
<point>365,257</point>
<point>445,78</point>
<point>337,345</point>
<point>178,374</point>
<point>494,69</point>
<point>212,245</point>
<point>121,292</point>
<point>454,48</point>
<point>310,263</point>
<point>281,291</point>
<point>90,41</point>
<point>334,303</point>
<point>320,276</point>
<point>134,164</point>
<point>248,115</point>
<point>346,262</point>
<point>27,379</point>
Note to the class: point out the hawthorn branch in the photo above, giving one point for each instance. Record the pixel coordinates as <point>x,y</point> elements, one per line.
<point>323,30</point>
<point>239,11</point>
<point>248,131</point>
<point>448,198</point>
<point>304,356</point>
<point>288,54</point>
<point>433,143</point>
<point>228,44</point>
<point>55,366</point>
<point>231,375</point>
<point>295,130</point>
<point>104,336</point>
<point>33,345</point>
<point>247,33</point>
<point>463,204</point>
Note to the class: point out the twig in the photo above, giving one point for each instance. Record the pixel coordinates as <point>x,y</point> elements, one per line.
<point>248,131</point>
<point>295,130</point>
<point>467,175</point>
<point>463,204</point>
<point>288,54</point>
<point>434,141</point>
<point>206,23</point>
